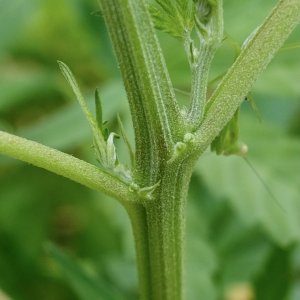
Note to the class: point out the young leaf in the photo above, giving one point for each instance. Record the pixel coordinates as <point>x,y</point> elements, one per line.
<point>175,17</point>
<point>209,20</point>
<point>99,116</point>
<point>98,110</point>
<point>104,147</point>
<point>75,87</point>
<point>100,144</point>
<point>203,10</point>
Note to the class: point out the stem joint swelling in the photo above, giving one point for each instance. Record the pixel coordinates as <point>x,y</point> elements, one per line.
<point>144,194</point>
<point>183,149</point>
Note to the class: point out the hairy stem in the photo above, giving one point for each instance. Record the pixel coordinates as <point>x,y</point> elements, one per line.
<point>166,224</point>
<point>149,89</point>
<point>165,153</point>
<point>65,165</point>
<point>209,42</point>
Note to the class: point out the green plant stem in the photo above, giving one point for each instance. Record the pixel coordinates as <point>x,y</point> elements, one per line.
<point>151,97</point>
<point>164,231</point>
<point>255,55</point>
<point>166,240</point>
<point>161,155</point>
<point>64,164</point>
<point>209,43</point>
<point>155,120</point>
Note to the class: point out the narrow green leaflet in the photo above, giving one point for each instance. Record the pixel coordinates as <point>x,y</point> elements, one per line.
<point>55,130</point>
<point>99,113</point>
<point>103,141</point>
<point>100,144</point>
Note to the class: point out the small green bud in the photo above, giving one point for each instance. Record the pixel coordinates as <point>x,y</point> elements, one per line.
<point>189,138</point>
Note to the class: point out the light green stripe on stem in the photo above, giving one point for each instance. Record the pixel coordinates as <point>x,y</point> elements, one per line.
<point>65,165</point>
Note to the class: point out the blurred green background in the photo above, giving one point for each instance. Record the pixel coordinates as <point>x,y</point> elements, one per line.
<point>59,240</point>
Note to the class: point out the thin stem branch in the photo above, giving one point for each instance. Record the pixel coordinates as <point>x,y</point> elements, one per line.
<point>200,72</point>
<point>256,54</point>
<point>209,41</point>
<point>65,165</point>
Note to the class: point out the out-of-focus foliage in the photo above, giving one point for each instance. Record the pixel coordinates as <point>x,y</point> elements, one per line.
<point>241,238</point>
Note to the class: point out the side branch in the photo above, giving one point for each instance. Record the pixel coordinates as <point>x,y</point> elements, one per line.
<point>256,54</point>
<point>65,165</point>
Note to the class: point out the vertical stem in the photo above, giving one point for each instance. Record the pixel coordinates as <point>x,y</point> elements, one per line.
<point>166,219</point>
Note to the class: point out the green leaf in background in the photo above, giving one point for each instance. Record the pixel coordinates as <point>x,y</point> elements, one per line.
<point>238,256</point>
<point>274,281</point>
<point>215,236</point>
<point>38,206</point>
<point>294,292</point>
<point>232,179</point>
<point>85,286</point>
<point>14,16</point>
<point>19,86</point>
<point>201,261</point>
<point>242,252</point>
